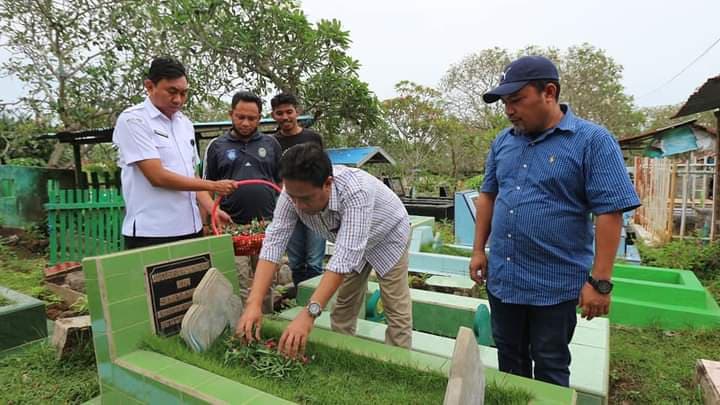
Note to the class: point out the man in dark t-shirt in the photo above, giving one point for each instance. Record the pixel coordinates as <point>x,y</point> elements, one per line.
<point>243,153</point>
<point>306,248</point>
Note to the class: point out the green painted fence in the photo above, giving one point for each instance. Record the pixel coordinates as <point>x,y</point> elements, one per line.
<point>83,222</point>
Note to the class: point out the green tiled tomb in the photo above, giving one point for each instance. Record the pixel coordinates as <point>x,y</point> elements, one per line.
<point>122,315</point>
<point>642,296</point>
<point>438,316</point>
<point>22,320</point>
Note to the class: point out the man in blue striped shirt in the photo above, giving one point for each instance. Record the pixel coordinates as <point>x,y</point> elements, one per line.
<point>544,177</point>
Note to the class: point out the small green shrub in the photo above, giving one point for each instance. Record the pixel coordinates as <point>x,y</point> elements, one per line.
<point>700,257</point>
<point>27,161</point>
<point>475,182</point>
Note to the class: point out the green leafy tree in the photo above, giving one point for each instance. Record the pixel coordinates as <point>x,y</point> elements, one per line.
<point>465,82</point>
<point>64,54</point>
<point>17,140</point>
<point>415,126</point>
<point>268,46</point>
<point>590,82</point>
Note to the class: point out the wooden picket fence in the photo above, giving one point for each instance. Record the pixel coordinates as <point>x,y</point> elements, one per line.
<point>676,195</point>
<point>83,222</point>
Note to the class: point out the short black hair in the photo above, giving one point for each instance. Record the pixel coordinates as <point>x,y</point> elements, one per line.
<point>306,162</point>
<point>283,98</point>
<point>165,67</point>
<point>247,97</point>
<point>541,83</point>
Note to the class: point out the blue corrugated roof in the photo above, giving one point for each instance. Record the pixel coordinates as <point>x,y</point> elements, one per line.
<point>357,157</point>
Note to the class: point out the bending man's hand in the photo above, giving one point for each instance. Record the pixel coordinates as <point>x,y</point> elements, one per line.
<point>293,340</point>
<point>250,319</point>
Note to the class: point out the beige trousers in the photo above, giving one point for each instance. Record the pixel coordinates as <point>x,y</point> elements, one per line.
<point>395,296</point>
<point>245,266</point>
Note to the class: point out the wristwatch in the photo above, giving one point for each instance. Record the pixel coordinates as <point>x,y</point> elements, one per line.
<point>314,309</point>
<point>602,286</point>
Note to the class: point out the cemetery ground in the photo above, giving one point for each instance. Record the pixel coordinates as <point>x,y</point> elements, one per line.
<point>647,366</point>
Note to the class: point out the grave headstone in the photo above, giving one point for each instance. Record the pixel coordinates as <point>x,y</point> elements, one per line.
<point>466,382</point>
<point>707,375</point>
<point>214,308</point>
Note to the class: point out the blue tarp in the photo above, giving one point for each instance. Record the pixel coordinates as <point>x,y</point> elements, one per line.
<point>356,157</point>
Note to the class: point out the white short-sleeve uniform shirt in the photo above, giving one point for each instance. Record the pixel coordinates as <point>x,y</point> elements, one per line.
<point>142,132</point>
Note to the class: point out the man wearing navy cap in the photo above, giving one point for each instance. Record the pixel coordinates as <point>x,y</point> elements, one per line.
<point>544,177</point>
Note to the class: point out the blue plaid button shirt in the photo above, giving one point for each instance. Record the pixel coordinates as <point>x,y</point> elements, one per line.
<point>546,188</point>
<point>367,222</point>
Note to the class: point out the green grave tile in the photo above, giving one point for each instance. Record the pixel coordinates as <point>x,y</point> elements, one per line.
<point>90,269</point>
<point>584,398</point>
<point>155,255</point>
<point>92,291</point>
<point>188,248</point>
<point>121,264</point>
<point>189,399</point>
<point>124,287</point>
<point>266,399</point>
<point>224,389</point>
<point>220,243</point>
<point>150,361</point>
<point>129,312</point>
<point>102,352</point>
<point>159,393</point>
<point>187,375</point>
<point>129,383</point>
<point>127,340</point>
<point>543,393</point>
<point>223,262</point>
<point>111,396</point>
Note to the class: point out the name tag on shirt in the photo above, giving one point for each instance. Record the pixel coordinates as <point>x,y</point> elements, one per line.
<point>161,133</point>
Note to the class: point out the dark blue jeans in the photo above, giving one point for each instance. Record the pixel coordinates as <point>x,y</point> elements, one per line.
<point>541,334</point>
<point>305,251</point>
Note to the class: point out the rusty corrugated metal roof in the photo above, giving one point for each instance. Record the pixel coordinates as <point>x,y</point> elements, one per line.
<point>651,133</point>
<point>706,98</point>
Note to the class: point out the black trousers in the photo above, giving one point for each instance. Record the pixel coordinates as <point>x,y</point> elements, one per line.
<point>133,242</point>
<point>527,334</point>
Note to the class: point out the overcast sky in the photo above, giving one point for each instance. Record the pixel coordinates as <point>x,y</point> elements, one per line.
<point>419,39</point>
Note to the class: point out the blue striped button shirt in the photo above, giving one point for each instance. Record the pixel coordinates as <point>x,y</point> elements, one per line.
<point>546,188</point>
<point>367,222</point>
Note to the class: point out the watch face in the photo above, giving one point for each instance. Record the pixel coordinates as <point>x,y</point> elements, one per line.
<point>314,309</point>
<point>604,286</point>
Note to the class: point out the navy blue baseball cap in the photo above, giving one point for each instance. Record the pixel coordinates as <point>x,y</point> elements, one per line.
<point>519,72</point>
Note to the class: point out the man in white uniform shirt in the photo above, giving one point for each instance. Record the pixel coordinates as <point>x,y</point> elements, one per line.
<point>370,228</point>
<point>158,159</point>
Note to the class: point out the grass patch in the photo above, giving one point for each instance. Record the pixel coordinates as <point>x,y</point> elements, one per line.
<point>446,250</point>
<point>445,228</point>
<point>652,366</point>
<point>4,301</point>
<point>333,377</point>
<point>34,376</point>
<point>24,275</point>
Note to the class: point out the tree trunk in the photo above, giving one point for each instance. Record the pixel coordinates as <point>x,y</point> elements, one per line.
<point>56,155</point>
